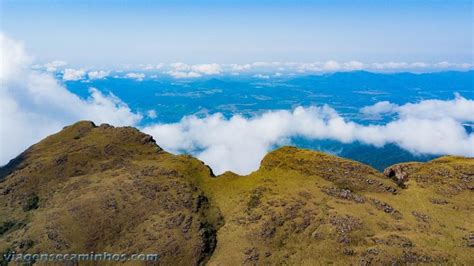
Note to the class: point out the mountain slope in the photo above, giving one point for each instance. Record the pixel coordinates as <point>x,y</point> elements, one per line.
<point>98,189</point>
<point>304,207</point>
<point>92,188</point>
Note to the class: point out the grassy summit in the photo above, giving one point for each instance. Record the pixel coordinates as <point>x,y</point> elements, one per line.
<point>92,188</point>
<point>98,189</point>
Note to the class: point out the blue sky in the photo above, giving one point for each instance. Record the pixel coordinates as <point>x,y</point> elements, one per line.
<point>118,32</point>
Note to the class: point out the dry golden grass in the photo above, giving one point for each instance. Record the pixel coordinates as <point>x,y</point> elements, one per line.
<point>110,189</point>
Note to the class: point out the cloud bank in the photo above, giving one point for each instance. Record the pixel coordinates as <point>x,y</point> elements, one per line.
<point>136,76</point>
<point>257,69</point>
<point>97,74</point>
<point>264,69</point>
<point>73,74</point>
<point>238,144</point>
<point>182,70</point>
<point>34,105</point>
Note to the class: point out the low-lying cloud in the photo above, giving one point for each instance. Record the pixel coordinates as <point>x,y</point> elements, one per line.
<point>34,104</point>
<point>256,69</point>
<point>182,70</point>
<point>238,144</point>
<point>73,74</point>
<point>263,69</point>
<point>97,74</point>
<point>136,76</point>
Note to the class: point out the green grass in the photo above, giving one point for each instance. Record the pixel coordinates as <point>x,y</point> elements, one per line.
<point>92,188</point>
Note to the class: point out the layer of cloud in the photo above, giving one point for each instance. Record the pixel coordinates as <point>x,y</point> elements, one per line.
<point>34,105</point>
<point>182,70</point>
<point>73,74</point>
<point>136,76</point>
<point>54,66</point>
<point>97,74</point>
<point>256,69</point>
<point>260,69</point>
<point>336,66</point>
<point>238,144</point>
<point>183,74</point>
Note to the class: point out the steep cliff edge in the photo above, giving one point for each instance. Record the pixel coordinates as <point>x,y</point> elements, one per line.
<point>101,188</point>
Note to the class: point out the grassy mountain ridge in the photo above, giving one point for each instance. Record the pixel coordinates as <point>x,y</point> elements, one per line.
<point>101,188</point>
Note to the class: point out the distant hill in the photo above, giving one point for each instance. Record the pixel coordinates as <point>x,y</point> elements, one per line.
<point>95,188</point>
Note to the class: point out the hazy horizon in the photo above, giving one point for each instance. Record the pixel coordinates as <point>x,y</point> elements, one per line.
<point>111,33</point>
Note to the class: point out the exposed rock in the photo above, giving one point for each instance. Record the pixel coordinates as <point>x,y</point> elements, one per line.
<point>268,230</point>
<point>147,139</point>
<point>386,208</point>
<point>251,255</point>
<point>398,173</point>
<point>344,225</point>
<point>344,194</point>
<point>395,240</point>
<point>409,256</point>
<point>421,217</point>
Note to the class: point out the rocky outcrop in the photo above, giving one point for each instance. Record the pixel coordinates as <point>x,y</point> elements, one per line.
<point>398,173</point>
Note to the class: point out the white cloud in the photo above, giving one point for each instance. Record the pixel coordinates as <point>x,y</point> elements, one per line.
<point>136,76</point>
<point>380,108</point>
<point>238,144</point>
<point>237,67</point>
<point>353,65</point>
<point>54,66</point>
<point>98,74</point>
<point>14,61</point>
<point>151,114</point>
<point>390,65</point>
<point>332,66</point>
<point>309,67</point>
<point>73,74</point>
<point>187,71</point>
<point>207,69</point>
<point>459,109</point>
<point>180,66</point>
<point>182,74</point>
<point>443,64</point>
<point>34,105</point>
<point>182,70</point>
